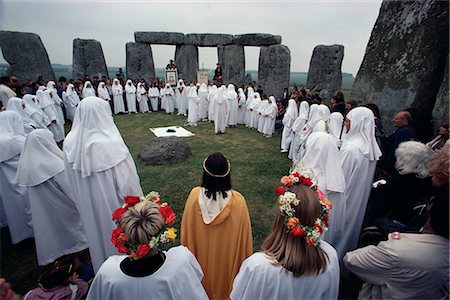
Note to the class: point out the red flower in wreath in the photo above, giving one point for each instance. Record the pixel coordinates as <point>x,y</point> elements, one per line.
<point>168,214</point>
<point>309,241</point>
<point>118,213</point>
<point>279,190</point>
<point>297,231</point>
<point>317,226</point>
<point>306,181</point>
<point>122,249</point>
<point>115,234</point>
<point>142,250</point>
<point>296,174</point>
<point>132,200</point>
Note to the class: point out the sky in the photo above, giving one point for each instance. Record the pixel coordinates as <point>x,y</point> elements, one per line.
<point>302,25</point>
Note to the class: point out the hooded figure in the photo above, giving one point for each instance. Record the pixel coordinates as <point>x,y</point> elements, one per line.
<point>270,114</point>
<point>48,105</point>
<point>71,100</point>
<point>233,103</point>
<point>261,115</point>
<point>103,93</point>
<point>297,130</point>
<point>130,91</point>
<point>314,117</point>
<point>336,127</point>
<point>220,111</point>
<point>153,94</point>
<point>323,114</point>
<point>56,221</point>
<point>240,118</point>
<point>203,104</point>
<point>101,171</point>
<point>88,90</point>
<point>34,112</point>
<point>142,99</point>
<point>288,120</point>
<point>254,107</point>
<point>15,104</point>
<point>117,90</point>
<point>193,101</point>
<point>51,86</point>
<point>181,98</point>
<point>168,99</point>
<point>248,110</point>
<point>211,95</point>
<point>15,198</point>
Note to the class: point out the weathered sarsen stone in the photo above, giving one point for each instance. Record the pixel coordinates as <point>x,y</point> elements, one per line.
<point>256,39</point>
<point>186,58</point>
<point>209,39</point>
<point>88,59</point>
<point>274,69</point>
<point>160,37</point>
<point>325,70</point>
<point>232,60</point>
<point>441,110</point>
<point>139,62</point>
<point>405,58</point>
<point>164,150</point>
<point>26,55</point>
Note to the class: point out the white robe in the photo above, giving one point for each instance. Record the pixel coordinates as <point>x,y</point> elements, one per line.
<point>258,278</point>
<point>34,112</point>
<point>220,112</point>
<point>71,100</point>
<point>240,118</point>
<point>142,99</point>
<point>211,100</point>
<point>270,114</point>
<point>178,278</point>
<point>153,94</point>
<point>168,99</point>
<point>262,116</point>
<point>193,102</point>
<point>203,104</point>
<point>51,86</point>
<point>233,104</point>
<point>117,90</point>
<point>130,92</point>
<point>181,99</point>
<point>297,128</point>
<point>56,127</point>
<point>288,120</point>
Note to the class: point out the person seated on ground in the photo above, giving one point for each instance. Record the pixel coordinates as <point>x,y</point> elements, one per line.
<point>60,281</point>
<point>146,271</point>
<point>439,141</point>
<point>216,227</point>
<point>408,265</point>
<point>409,186</point>
<point>402,133</point>
<point>295,262</point>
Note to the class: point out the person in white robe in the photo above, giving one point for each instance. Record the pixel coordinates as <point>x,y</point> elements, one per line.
<point>313,118</point>
<point>203,104</point>
<point>254,107</point>
<point>248,105</point>
<point>88,90</point>
<point>51,86</point>
<point>323,113</point>
<point>232,98</point>
<point>101,171</point>
<point>240,117</point>
<point>193,106</point>
<point>181,98</point>
<point>211,95</point>
<point>117,90</point>
<point>261,115</point>
<point>103,93</point>
<point>141,95</point>
<point>288,120</point>
<point>130,94</point>
<point>154,95</point>
<point>168,99</point>
<point>323,158</point>
<point>71,100</point>
<point>15,104</point>
<point>358,156</point>
<point>49,107</point>
<point>56,220</point>
<point>34,112</point>
<point>220,111</point>
<point>336,127</point>
<point>297,129</point>
<point>270,115</point>
<point>15,198</point>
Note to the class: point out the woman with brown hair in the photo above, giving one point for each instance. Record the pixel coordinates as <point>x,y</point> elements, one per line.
<point>295,262</point>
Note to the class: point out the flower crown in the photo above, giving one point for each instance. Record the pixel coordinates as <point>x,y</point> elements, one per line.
<point>287,202</point>
<point>139,250</point>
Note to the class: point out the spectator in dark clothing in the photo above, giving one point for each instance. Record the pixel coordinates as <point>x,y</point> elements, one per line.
<point>285,98</point>
<point>338,103</point>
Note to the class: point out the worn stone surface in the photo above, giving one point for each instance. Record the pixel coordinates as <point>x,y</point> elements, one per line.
<point>232,60</point>
<point>160,37</point>
<point>256,39</point>
<point>441,110</point>
<point>208,39</point>
<point>164,150</point>
<point>405,58</point>
<point>139,64</point>
<point>274,69</point>
<point>325,69</point>
<point>88,59</point>
<point>186,58</point>
<point>248,78</point>
<point>26,56</point>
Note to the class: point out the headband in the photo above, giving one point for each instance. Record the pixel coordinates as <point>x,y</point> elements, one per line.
<point>215,175</point>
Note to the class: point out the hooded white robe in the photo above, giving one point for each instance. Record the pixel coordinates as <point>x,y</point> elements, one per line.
<point>288,120</point>
<point>153,94</point>
<point>101,171</point>
<point>254,106</point>
<point>15,104</point>
<point>15,198</point>
<point>56,221</point>
<point>322,124</point>
<point>130,93</point>
<point>248,111</point>
<point>270,114</point>
<point>220,111</point>
<point>103,93</point>
<point>178,278</point>
<point>49,107</point>
<point>314,117</point>
<point>211,99</point>
<point>242,107</point>
<point>34,112</point>
<point>358,156</point>
<point>71,100</point>
<point>141,95</point>
<point>88,90</point>
<point>232,98</point>
<point>193,103</point>
<point>203,104</point>
<point>262,116</point>
<point>51,86</point>
<point>181,98</point>
<point>297,129</point>
<point>259,278</point>
<point>336,127</point>
<point>168,99</point>
<point>117,90</point>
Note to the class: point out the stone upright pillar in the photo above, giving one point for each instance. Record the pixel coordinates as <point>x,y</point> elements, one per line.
<point>88,59</point>
<point>232,60</point>
<point>26,55</point>
<point>186,58</point>
<point>139,64</point>
<point>274,69</point>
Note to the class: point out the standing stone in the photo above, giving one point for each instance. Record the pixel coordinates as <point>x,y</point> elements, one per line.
<point>325,70</point>
<point>274,69</point>
<point>88,59</point>
<point>405,58</point>
<point>441,110</point>
<point>139,63</point>
<point>26,55</point>
<point>232,60</point>
<point>186,58</point>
